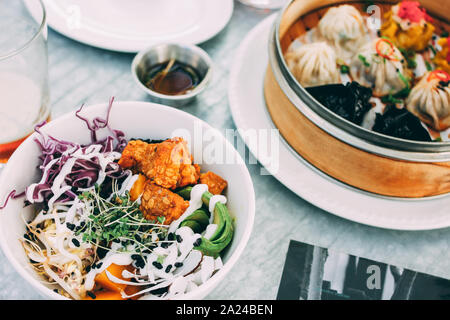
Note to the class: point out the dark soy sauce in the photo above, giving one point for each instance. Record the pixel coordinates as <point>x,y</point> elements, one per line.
<point>179,79</point>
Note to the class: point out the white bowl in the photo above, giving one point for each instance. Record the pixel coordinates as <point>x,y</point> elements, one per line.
<point>136,120</point>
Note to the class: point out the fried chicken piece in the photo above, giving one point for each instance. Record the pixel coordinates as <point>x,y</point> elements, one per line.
<point>157,201</point>
<point>216,184</point>
<point>168,164</point>
<point>134,153</point>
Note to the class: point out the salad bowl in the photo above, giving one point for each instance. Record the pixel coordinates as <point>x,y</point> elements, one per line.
<point>136,120</point>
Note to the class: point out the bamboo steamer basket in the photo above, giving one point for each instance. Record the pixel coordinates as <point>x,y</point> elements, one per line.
<point>358,157</point>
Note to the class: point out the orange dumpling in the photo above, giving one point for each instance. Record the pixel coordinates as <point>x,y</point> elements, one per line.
<point>442,58</point>
<point>408,26</point>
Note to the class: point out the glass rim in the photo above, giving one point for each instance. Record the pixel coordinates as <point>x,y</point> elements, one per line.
<point>31,40</point>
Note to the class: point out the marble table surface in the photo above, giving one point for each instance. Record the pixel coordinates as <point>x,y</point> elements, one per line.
<point>83,74</point>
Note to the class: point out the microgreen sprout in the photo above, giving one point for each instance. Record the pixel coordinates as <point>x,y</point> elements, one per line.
<point>118,219</point>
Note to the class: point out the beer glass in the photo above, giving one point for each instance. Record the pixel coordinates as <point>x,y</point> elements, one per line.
<point>24,98</point>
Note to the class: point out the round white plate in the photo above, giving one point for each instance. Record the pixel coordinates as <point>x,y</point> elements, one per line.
<point>133,25</point>
<point>249,113</point>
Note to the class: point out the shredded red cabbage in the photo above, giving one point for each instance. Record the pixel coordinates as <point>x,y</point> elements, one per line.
<point>11,195</point>
<point>84,165</point>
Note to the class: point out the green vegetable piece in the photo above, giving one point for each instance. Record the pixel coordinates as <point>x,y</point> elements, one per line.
<point>185,193</point>
<point>344,69</point>
<point>194,225</point>
<point>224,232</point>
<point>363,60</point>
<point>201,216</point>
<point>201,219</point>
<point>432,49</point>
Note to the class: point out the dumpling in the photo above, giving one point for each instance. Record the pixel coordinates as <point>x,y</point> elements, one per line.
<point>313,64</point>
<point>381,66</point>
<point>408,26</point>
<point>343,28</point>
<point>442,57</point>
<point>429,99</point>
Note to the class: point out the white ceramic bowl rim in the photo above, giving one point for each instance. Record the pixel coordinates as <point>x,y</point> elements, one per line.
<point>202,290</point>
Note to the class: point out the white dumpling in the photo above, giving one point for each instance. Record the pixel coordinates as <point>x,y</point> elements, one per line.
<point>313,64</point>
<point>429,100</point>
<point>343,28</point>
<point>386,73</point>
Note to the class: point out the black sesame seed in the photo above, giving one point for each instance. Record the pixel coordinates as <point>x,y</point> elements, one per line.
<point>88,268</point>
<point>159,291</point>
<point>92,295</point>
<point>75,242</point>
<point>171,236</point>
<point>168,268</point>
<point>138,238</point>
<point>157,265</point>
<point>178,264</point>
<point>198,242</point>
<point>164,245</point>
<point>55,290</point>
<point>70,226</point>
<point>101,252</point>
<point>136,257</point>
<point>179,238</point>
<point>99,265</point>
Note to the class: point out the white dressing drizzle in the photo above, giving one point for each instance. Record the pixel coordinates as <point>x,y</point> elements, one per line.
<point>210,230</point>
<point>121,259</point>
<point>215,199</point>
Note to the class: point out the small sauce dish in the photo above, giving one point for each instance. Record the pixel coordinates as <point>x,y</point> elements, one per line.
<point>172,74</point>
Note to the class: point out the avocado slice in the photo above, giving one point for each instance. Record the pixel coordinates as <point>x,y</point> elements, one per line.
<point>224,232</point>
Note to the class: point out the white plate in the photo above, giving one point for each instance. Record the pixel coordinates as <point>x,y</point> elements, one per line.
<point>133,25</point>
<point>249,112</point>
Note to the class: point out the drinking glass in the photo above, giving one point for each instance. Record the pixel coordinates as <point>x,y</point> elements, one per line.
<point>265,4</point>
<point>24,98</point>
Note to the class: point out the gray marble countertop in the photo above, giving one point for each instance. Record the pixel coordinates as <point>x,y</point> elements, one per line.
<point>83,74</point>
